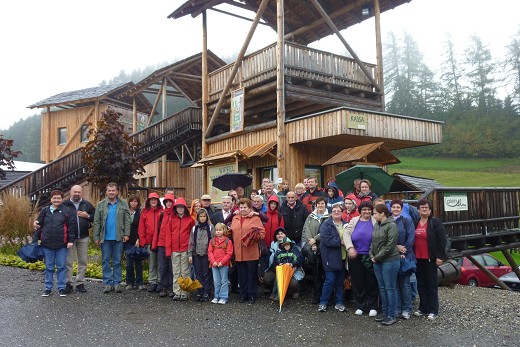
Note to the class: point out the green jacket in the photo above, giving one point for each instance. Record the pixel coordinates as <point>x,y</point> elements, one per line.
<point>384,241</point>
<point>122,220</point>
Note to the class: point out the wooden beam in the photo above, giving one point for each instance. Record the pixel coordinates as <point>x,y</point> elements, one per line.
<point>205,95</point>
<point>78,129</point>
<point>49,132</point>
<point>511,262</point>
<point>280,92</point>
<point>179,89</point>
<point>134,114</point>
<point>237,64</point>
<point>154,108</point>
<point>488,273</point>
<point>379,51</point>
<point>333,27</point>
<point>236,15</point>
<point>188,151</point>
<point>246,130</point>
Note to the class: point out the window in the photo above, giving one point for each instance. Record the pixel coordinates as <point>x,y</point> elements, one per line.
<point>151,182</point>
<point>62,136</point>
<point>84,133</point>
<point>315,171</point>
<point>490,261</point>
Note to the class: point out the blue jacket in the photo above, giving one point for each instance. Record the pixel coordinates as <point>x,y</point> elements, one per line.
<point>336,199</point>
<point>330,246</point>
<point>406,236</point>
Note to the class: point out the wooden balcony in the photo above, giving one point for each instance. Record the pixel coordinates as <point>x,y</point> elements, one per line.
<point>314,80</point>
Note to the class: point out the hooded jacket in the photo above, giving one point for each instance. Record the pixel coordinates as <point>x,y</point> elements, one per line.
<point>311,229</point>
<point>164,225</point>
<point>292,256</point>
<point>294,220</point>
<point>179,237</point>
<point>274,220</point>
<point>330,246</point>
<point>149,221</point>
<point>220,250</point>
<point>335,199</point>
<point>200,236</point>
<point>384,241</point>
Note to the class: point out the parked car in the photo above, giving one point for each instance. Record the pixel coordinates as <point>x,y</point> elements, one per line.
<point>511,280</point>
<point>472,276</point>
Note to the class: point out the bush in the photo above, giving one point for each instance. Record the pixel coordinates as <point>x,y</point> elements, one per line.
<point>16,218</point>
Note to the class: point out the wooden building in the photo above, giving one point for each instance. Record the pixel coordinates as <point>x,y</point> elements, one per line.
<point>284,110</point>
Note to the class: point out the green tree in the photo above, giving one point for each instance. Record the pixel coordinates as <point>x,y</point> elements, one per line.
<point>451,74</point>
<point>512,70</point>
<point>7,155</point>
<point>111,155</point>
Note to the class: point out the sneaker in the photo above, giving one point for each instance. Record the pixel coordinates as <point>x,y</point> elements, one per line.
<point>47,292</point>
<point>118,288</point>
<point>222,301</point>
<point>380,317</point>
<point>61,292</point>
<point>176,297</point>
<point>340,307</point>
<point>163,293</point>
<point>68,288</point>
<point>252,300</point>
<point>388,321</point>
<point>129,287</point>
<point>322,308</point>
<point>170,293</point>
<point>358,312</point>
<point>152,287</point>
<point>108,289</point>
<point>204,298</point>
<point>214,301</point>
<point>81,288</point>
<point>433,316</point>
<point>419,314</point>
<point>141,287</point>
<point>372,313</point>
<point>405,315</point>
<point>183,297</point>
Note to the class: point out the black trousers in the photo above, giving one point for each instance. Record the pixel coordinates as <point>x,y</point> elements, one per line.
<point>165,268</point>
<point>427,286</point>
<point>365,290</point>
<point>247,278</point>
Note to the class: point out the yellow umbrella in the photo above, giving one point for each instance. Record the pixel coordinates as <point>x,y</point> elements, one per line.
<point>187,284</point>
<point>284,274</point>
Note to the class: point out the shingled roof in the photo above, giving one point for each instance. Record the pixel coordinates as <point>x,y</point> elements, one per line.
<point>404,182</point>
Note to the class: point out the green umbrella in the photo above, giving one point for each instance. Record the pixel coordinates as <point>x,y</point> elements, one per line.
<point>379,179</point>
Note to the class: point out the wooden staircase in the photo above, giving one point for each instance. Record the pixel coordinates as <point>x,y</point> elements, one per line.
<point>156,140</point>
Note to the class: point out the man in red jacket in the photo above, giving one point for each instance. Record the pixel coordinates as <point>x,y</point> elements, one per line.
<point>312,194</point>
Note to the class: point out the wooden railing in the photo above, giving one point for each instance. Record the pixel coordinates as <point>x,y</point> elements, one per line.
<point>62,173</point>
<point>300,62</point>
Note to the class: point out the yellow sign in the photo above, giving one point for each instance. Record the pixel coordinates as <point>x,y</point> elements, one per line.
<point>215,171</point>
<point>357,121</point>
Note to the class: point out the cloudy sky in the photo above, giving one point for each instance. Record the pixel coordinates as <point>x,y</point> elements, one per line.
<point>50,47</point>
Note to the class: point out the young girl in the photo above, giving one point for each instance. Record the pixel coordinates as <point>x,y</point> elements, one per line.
<point>200,236</point>
<point>220,251</point>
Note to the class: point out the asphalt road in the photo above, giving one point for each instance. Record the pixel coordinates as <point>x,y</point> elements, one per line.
<point>138,318</point>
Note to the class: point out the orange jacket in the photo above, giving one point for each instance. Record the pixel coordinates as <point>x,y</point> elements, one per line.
<point>240,229</point>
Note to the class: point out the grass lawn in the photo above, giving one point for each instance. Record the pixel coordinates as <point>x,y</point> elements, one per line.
<point>500,256</point>
<point>463,172</point>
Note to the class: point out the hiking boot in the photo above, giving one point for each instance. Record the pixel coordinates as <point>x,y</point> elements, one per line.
<point>129,287</point>
<point>176,297</point>
<point>322,308</point>
<point>108,289</point>
<point>152,287</point>
<point>252,300</point>
<point>340,307</point>
<point>62,293</point>
<point>81,288</point>
<point>47,292</point>
<point>380,317</point>
<point>388,321</point>
<point>68,288</point>
<point>118,288</point>
<point>183,297</point>
<point>163,293</point>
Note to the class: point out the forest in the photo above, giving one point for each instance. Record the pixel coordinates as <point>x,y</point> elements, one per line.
<point>475,94</point>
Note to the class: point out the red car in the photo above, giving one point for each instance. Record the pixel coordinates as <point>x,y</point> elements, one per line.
<point>472,276</point>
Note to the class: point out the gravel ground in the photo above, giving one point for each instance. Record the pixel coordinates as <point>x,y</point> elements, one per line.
<point>469,317</point>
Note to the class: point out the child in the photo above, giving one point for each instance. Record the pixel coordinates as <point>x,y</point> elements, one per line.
<point>289,253</point>
<point>200,236</point>
<point>220,251</point>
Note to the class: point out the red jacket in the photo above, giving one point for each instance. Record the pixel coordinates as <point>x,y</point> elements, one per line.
<point>178,239</point>
<point>159,240</point>
<point>308,198</point>
<point>274,221</point>
<point>148,225</point>
<point>220,250</point>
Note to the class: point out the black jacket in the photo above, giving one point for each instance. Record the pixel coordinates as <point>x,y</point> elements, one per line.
<point>294,220</point>
<point>84,223</point>
<point>57,228</point>
<point>134,227</point>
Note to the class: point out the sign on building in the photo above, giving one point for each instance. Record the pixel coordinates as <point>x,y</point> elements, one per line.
<point>237,111</point>
<point>455,202</point>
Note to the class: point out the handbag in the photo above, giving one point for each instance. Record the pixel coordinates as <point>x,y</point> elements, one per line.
<point>31,252</point>
<point>407,267</point>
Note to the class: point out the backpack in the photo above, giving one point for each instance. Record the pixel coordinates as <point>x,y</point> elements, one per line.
<point>195,235</point>
<point>213,244</point>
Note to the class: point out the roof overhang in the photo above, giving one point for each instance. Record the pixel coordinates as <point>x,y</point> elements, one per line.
<point>372,153</point>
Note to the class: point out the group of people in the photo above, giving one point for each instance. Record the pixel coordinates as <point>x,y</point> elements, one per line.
<point>337,238</point>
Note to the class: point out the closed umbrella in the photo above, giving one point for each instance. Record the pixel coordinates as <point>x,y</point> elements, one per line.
<point>188,285</point>
<point>231,181</point>
<point>284,273</point>
<point>379,179</point>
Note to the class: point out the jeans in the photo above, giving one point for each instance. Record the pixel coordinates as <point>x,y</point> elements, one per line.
<point>54,257</point>
<point>386,274</point>
<point>134,269</point>
<point>81,249</point>
<point>220,281</point>
<point>333,281</point>
<point>427,286</point>
<point>404,294</point>
<point>202,273</point>
<point>413,286</point>
<point>112,273</point>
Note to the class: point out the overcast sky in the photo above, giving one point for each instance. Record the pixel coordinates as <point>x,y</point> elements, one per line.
<point>50,47</point>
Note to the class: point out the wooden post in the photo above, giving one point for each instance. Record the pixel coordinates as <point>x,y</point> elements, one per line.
<point>204,98</point>
<point>333,27</point>
<point>164,114</point>
<point>134,115</point>
<point>96,113</point>
<point>280,91</point>
<point>488,273</point>
<point>237,64</point>
<point>511,262</point>
<point>379,52</point>
<point>49,135</point>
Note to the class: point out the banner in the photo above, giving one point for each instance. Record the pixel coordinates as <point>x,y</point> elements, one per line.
<point>237,111</point>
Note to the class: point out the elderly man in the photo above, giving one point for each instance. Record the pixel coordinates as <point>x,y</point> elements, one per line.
<point>111,229</point>
<point>84,216</point>
<point>294,215</point>
<point>268,192</point>
<point>205,202</point>
<point>240,192</point>
<point>222,216</point>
